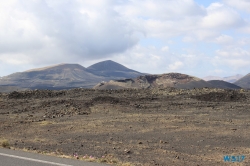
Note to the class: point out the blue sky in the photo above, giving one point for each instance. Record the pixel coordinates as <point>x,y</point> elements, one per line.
<point>196,37</point>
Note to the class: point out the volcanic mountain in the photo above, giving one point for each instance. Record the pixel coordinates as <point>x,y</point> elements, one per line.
<point>112,69</point>
<point>52,77</point>
<point>223,84</point>
<point>65,76</point>
<point>176,80</point>
<point>244,82</point>
<point>103,75</point>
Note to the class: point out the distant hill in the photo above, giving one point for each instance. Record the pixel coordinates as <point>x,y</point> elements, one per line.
<point>52,77</point>
<point>176,80</point>
<point>244,82</point>
<point>112,69</point>
<point>11,89</point>
<point>230,79</point>
<point>223,84</point>
<point>104,75</point>
<point>65,76</point>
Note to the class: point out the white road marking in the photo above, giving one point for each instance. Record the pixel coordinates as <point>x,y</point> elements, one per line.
<point>36,160</point>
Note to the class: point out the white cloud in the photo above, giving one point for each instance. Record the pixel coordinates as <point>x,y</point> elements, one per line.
<point>156,61</point>
<point>244,41</point>
<point>161,9</point>
<point>205,34</point>
<point>245,29</point>
<point>217,71</point>
<point>239,4</point>
<point>175,65</point>
<point>162,18</point>
<point>232,60</point>
<point>14,59</point>
<point>144,59</point>
<point>80,29</point>
<point>238,63</point>
<point>233,52</point>
<point>220,16</point>
<point>165,48</point>
<point>224,39</point>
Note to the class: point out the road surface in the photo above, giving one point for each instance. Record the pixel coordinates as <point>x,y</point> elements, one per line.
<point>20,158</point>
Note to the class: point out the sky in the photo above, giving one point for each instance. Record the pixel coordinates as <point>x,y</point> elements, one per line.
<point>195,37</point>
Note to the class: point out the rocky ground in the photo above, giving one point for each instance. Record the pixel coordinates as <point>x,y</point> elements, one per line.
<point>143,126</point>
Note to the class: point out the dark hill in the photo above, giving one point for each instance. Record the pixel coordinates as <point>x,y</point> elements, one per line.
<point>223,84</point>
<point>176,80</point>
<point>53,77</point>
<point>66,76</point>
<point>112,69</point>
<point>244,82</point>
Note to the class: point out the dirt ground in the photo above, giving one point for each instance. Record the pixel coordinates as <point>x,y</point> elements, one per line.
<point>144,127</point>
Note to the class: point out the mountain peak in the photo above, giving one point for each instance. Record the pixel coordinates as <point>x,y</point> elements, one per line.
<point>112,69</point>
<point>244,82</point>
<point>68,76</point>
<point>108,65</point>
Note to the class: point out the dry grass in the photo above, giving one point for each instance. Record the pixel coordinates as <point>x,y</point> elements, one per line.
<point>108,159</point>
<point>5,143</point>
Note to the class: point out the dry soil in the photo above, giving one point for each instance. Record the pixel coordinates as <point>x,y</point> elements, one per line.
<point>143,126</point>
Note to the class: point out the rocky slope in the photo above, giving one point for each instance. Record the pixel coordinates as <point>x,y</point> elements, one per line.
<point>176,80</point>
<point>223,84</point>
<point>244,82</point>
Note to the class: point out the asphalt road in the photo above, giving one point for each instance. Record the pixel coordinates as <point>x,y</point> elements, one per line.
<point>20,158</point>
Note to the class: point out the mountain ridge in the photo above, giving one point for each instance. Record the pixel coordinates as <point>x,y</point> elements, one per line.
<point>106,68</point>
<point>244,82</point>
<point>102,75</point>
<point>176,80</point>
<point>64,75</point>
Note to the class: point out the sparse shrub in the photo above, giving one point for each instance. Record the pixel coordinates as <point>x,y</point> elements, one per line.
<point>5,144</point>
<point>126,164</point>
<point>108,159</point>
